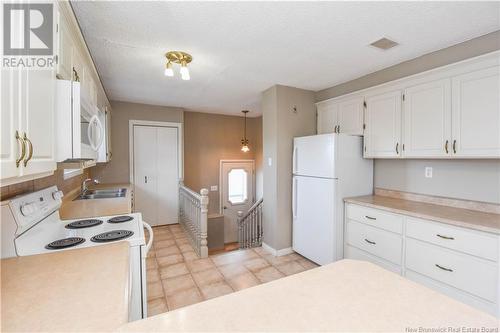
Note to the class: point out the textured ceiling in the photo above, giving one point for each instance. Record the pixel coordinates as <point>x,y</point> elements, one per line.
<point>243,48</point>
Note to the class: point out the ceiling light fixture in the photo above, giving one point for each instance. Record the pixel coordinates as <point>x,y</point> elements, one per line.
<point>181,58</point>
<point>244,141</point>
<point>384,43</point>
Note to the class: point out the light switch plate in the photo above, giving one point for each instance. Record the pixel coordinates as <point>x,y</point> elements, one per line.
<point>214,188</point>
<point>428,172</point>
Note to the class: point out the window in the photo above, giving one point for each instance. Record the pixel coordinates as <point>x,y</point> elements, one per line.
<point>237,186</point>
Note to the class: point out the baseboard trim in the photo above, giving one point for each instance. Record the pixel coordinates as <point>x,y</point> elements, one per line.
<point>277,253</point>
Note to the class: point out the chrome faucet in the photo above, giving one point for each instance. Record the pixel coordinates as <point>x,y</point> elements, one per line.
<point>84,184</point>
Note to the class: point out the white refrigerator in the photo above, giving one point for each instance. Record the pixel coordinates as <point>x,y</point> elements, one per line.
<point>326,169</point>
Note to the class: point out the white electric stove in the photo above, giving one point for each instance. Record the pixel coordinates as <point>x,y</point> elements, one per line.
<point>31,225</point>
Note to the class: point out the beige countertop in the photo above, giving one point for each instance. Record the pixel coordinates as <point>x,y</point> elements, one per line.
<point>344,296</point>
<point>467,218</point>
<point>72,290</point>
<point>74,209</point>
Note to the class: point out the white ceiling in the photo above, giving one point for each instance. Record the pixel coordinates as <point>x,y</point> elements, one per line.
<point>242,48</point>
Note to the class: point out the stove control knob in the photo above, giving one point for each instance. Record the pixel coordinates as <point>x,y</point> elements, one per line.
<point>28,209</point>
<point>57,195</point>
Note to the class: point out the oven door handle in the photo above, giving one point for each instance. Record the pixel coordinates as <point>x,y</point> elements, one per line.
<point>150,242</point>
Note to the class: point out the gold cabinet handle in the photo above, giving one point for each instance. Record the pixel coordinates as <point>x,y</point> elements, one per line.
<point>30,154</point>
<point>454,146</point>
<point>23,149</point>
<point>446,147</point>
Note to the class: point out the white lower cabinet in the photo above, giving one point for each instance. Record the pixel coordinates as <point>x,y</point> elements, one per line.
<point>459,262</point>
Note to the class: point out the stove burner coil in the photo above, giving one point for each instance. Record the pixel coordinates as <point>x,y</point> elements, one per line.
<point>111,236</point>
<point>64,243</point>
<point>120,219</point>
<point>83,224</point>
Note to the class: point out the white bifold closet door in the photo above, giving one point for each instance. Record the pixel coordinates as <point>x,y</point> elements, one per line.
<point>156,174</point>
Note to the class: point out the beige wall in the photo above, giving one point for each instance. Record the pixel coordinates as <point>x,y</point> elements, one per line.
<point>117,170</point>
<point>463,179</point>
<point>281,123</point>
<point>209,138</point>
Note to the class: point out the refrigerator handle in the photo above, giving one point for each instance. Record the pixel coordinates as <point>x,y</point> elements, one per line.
<point>294,198</point>
<point>294,164</point>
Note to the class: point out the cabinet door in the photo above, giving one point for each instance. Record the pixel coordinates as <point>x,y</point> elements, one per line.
<point>38,121</point>
<point>383,125</point>
<point>350,117</point>
<point>327,118</point>
<point>476,114</point>
<point>108,133</point>
<point>427,120</point>
<point>64,49</point>
<point>11,108</point>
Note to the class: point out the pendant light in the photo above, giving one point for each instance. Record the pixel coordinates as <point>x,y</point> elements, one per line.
<point>244,141</point>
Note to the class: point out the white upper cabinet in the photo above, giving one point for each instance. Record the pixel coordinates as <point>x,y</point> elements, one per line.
<point>350,116</point>
<point>341,116</point>
<point>327,118</point>
<point>476,114</point>
<point>65,47</point>
<point>383,125</point>
<point>427,120</point>
<point>11,144</point>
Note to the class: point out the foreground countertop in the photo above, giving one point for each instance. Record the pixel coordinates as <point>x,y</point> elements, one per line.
<point>467,218</point>
<point>75,209</point>
<point>347,295</point>
<point>73,290</point>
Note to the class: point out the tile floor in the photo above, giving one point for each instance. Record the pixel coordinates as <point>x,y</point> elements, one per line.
<point>177,277</point>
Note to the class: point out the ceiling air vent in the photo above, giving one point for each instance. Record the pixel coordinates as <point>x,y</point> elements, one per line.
<point>384,44</point>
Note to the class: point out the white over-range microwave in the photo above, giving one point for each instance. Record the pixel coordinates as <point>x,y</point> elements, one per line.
<point>79,130</point>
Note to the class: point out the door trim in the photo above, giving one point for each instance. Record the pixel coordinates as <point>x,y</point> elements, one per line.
<point>180,144</point>
<point>221,164</point>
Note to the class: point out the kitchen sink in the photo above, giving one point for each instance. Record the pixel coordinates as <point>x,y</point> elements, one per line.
<point>102,194</point>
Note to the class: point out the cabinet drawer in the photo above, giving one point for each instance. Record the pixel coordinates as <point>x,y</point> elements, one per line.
<point>380,243</point>
<point>473,275</point>
<point>376,217</point>
<point>352,252</point>
<point>468,241</point>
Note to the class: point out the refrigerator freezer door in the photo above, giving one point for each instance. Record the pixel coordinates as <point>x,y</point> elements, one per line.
<point>313,209</point>
<point>314,156</point>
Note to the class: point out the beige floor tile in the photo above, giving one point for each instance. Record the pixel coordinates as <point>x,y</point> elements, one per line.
<point>234,257</point>
<point>184,298</point>
<point>170,260</point>
<point>152,275</point>
<point>243,281</point>
<point>188,256</point>
<point>268,274</point>
<point>177,284</point>
<point>157,306</point>
<point>260,251</point>
<point>173,270</point>
<point>167,251</point>
<point>151,263</point>
<point>154,290</point>
<point>161,244</point>
<point>232,270</point>
<point>182,241</point>
<point>307,264</point>
<point>200,265</point>
<point>256,264</point>
<point>185,247</point>
<point>207,277</point>
<point>289,268</point>
<point>273,260</point>
<point>215,290</point>
<point>163,236</point>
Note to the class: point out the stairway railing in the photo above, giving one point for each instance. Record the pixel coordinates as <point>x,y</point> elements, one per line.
<point>250,226</point>
<point>193,211</point>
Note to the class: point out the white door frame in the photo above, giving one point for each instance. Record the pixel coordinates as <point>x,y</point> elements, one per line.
<point>221,164</point>
<point>180,143</point>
